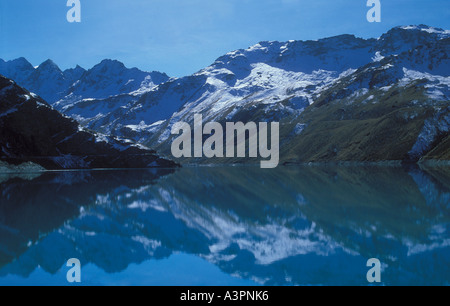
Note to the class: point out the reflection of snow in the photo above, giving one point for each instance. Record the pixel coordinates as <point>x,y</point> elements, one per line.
<point>414,249</point>
<point>268,243</point>
<point>274,241</point>
<point>149,245</point>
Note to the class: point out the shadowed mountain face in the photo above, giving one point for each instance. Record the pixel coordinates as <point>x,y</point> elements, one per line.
<point>307,225</point>
<point>31,130</point>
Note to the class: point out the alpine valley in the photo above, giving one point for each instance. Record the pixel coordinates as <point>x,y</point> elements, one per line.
<point>341,99</point>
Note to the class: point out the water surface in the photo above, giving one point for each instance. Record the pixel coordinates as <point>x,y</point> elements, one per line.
<point>227,226</point>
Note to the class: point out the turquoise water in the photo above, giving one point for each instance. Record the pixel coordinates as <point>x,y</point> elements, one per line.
<point>227,226</point>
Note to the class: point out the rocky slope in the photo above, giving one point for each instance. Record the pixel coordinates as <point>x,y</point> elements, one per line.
<point>395,109</point>
<point>32,131</point>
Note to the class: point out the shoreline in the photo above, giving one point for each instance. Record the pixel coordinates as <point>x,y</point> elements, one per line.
<point>30,167</point>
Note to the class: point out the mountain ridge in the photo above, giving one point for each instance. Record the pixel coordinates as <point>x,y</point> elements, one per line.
<point>54,85</point>
<point>252,81</point>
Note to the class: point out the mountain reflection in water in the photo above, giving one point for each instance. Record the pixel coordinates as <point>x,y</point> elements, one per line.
<point>288,226</point>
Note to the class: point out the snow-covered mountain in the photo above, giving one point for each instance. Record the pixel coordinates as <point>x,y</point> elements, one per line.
<point>107,79</point>
<point>60,88</point>
<point>395,108</point>
<point>279,81</point>
<point>270,70</point>
<point>288,82</point>
<point>32,131</point>
<point>45,80</point>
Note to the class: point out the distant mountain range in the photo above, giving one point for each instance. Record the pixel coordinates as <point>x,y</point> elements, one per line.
<point>108,78</point>
<point>338,99</point>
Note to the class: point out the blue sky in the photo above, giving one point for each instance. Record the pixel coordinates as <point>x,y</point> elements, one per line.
<point>180,37</point>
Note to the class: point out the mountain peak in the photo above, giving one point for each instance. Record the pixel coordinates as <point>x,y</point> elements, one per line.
<point>21,62</point>
<point>107,63</point>
<point>48,65</point>
<point>77,69</point>
<point>422,28</point>
<point>425,28</point>
<point>74,74</point>
<point>403,38</point>
<point>18,69</point>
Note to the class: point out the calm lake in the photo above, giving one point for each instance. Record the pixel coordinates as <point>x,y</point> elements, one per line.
<point>227,226</point>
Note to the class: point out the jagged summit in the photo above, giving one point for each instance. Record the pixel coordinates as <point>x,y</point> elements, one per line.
<point>74,73</point>
<point>47,65</point>
<point>425,28</point>
<point>18,69</point>
<point>108,78</point>
<point>109,64</point>
<point>21,61</point>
